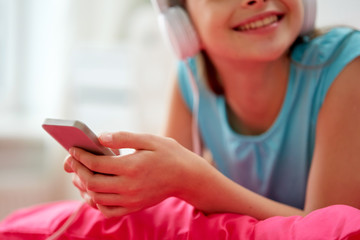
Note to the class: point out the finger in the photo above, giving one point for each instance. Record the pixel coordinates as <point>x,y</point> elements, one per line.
<point>111,165</point>
<point>95,163</point>
<point>67,164</point>
<point>88,200</point>
<point>128,140</point>
<point>107,199</point>
<point>77,183</point>
<point>94,181</point>
<point>112,211</point>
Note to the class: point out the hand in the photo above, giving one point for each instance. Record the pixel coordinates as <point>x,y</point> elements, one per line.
<point>118,185</point>
<point>77,182</point>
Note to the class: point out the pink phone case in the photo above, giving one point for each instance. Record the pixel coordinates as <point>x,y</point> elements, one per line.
<point>73,133</point>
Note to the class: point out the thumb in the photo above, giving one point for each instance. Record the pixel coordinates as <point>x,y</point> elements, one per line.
<point>120,140</point>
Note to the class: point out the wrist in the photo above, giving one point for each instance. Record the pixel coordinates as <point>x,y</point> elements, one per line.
<point>196,183</point>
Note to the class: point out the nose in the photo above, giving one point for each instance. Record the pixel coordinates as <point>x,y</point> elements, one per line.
<point>253,3</point>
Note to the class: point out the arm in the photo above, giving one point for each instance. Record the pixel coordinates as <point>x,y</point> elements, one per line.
<point>334,175</point>
<point>179,119</point>
<point>179,122</point>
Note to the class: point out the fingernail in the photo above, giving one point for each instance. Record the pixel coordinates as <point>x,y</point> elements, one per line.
<point>72,152</point>
<point>106,137</point>
<point>72,164</point>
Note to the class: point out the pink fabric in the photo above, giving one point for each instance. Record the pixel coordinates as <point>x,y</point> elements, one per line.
<point>175,219</point>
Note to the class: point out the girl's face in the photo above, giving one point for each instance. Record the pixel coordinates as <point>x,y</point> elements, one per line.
<point>251,30</point>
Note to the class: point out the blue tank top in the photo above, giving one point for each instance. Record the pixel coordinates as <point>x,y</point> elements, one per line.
<point>276,163</point>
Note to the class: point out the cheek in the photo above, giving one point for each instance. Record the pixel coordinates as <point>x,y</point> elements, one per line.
<point>212,32</point>
<point>213,41</point>
<point>208,23</point>
<point>204,29</point>
<point>297,15</point>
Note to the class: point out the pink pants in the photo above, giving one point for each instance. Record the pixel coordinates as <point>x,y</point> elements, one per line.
<point>175,219</point>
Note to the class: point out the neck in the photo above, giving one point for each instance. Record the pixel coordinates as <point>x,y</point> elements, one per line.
<point>254,92</point>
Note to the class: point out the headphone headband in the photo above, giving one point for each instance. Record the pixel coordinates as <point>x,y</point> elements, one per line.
<point>310,8</point>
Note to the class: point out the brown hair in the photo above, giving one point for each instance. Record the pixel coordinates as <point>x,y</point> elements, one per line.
<point>211,75</point>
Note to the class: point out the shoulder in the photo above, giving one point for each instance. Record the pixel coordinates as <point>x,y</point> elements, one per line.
<point>340,104</point>
<point>322,50</point>
<point>184,69</point>
<point>323,59</point>
<point>192,79</point>
<point>348,80</point>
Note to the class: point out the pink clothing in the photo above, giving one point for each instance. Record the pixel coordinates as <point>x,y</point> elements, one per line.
<point>175,219</point>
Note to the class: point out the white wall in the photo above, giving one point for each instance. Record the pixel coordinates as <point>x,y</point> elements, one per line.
<point>37,53</point>
<point>92,60</point>
<point>333,12</point>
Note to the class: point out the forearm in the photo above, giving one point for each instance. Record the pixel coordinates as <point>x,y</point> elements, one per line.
<point>210,191</point>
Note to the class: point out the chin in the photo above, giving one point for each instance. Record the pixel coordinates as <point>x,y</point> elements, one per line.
<point>273,54</point>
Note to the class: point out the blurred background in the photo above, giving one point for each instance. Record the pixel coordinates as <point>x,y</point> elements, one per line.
<point>99,61</point>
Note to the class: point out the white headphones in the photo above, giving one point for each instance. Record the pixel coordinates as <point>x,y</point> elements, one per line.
<point>178,29</point>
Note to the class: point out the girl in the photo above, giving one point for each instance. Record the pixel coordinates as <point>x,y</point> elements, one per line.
<point>278,114</point>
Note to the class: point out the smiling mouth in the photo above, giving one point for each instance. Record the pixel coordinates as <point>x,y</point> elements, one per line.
<point>261,23</point>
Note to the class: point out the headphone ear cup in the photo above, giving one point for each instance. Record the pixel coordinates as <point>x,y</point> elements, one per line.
<point>179,32</point>
<point>310,7</point>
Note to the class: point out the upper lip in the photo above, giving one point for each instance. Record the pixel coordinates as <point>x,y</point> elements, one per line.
<point>258,17</point>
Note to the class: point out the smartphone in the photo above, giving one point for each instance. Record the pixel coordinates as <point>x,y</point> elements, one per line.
<point>73,133</point>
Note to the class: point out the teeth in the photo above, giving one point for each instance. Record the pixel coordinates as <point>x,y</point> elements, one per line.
<point>258,24</point>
